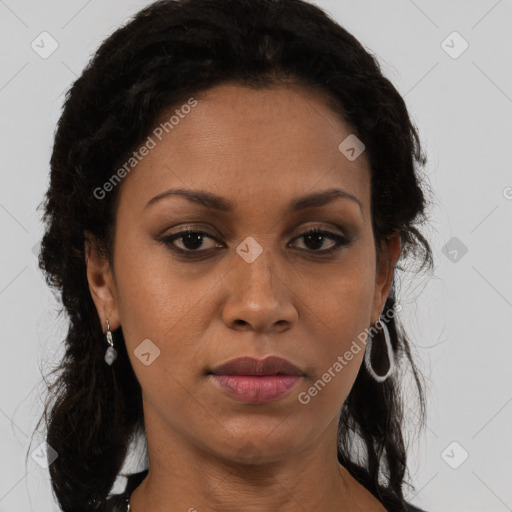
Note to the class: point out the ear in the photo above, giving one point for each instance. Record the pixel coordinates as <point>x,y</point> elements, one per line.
<point>390,252</point>
<point>101,283</point>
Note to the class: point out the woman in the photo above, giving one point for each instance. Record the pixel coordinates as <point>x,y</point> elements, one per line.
<point>232,187</point>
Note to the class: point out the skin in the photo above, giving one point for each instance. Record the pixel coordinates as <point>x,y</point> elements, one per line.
<point>258,149</point>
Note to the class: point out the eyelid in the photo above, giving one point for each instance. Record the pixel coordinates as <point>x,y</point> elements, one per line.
<point>318,226</point>
<point>340,241</point>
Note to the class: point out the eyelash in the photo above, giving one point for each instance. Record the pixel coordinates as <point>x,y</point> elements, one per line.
<point>339,239</point>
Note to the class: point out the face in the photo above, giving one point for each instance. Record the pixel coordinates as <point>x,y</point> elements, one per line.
<point>247,280</point>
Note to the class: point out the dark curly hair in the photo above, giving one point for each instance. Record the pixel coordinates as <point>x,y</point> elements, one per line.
<point>165,53</point>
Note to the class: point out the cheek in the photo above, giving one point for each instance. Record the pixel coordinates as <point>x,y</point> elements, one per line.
<point>338,357</point>
<point>341,311</point>
<point>164,314</point>
<point>151,295</point>
<point>341,298</point>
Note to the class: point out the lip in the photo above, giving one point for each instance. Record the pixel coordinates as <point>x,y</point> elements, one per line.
<point>250,366</point>
<point>257,388</point>
<point>257,380</point>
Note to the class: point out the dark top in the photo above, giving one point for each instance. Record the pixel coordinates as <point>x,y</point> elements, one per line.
<point>119,502</point>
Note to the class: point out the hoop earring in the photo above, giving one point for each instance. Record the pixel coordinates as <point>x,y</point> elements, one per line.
<point>389,349</point>
<point>111,353</point>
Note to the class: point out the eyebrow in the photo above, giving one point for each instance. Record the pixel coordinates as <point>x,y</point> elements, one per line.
<point>215,202</point>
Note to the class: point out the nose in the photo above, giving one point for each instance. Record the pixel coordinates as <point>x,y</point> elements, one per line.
<point>259,299</point>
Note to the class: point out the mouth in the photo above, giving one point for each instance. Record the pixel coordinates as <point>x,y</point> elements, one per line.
<point>252,380</point>
<point>250,366</point>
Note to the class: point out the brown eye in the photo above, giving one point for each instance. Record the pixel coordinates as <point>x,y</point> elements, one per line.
<point>191,240</point>
<point>315,239</point>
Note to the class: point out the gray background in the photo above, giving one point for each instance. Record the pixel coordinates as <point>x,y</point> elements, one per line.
<point>458,319</point>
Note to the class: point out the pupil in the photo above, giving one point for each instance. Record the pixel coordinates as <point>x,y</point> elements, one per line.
<point>311,236</point>
<point>189,239</point>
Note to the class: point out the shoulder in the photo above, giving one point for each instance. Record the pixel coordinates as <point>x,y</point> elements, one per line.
<point>119,502</point>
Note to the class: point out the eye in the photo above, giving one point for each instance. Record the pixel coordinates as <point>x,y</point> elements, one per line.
<point>193,240</point>
<point>317,238</point>
<point>190,239</point>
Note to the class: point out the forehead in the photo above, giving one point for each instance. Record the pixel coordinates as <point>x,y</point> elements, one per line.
<point>256,145</point>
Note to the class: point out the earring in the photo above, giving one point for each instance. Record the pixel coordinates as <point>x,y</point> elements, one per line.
<point>111,353</point>
<point>389,349</point>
